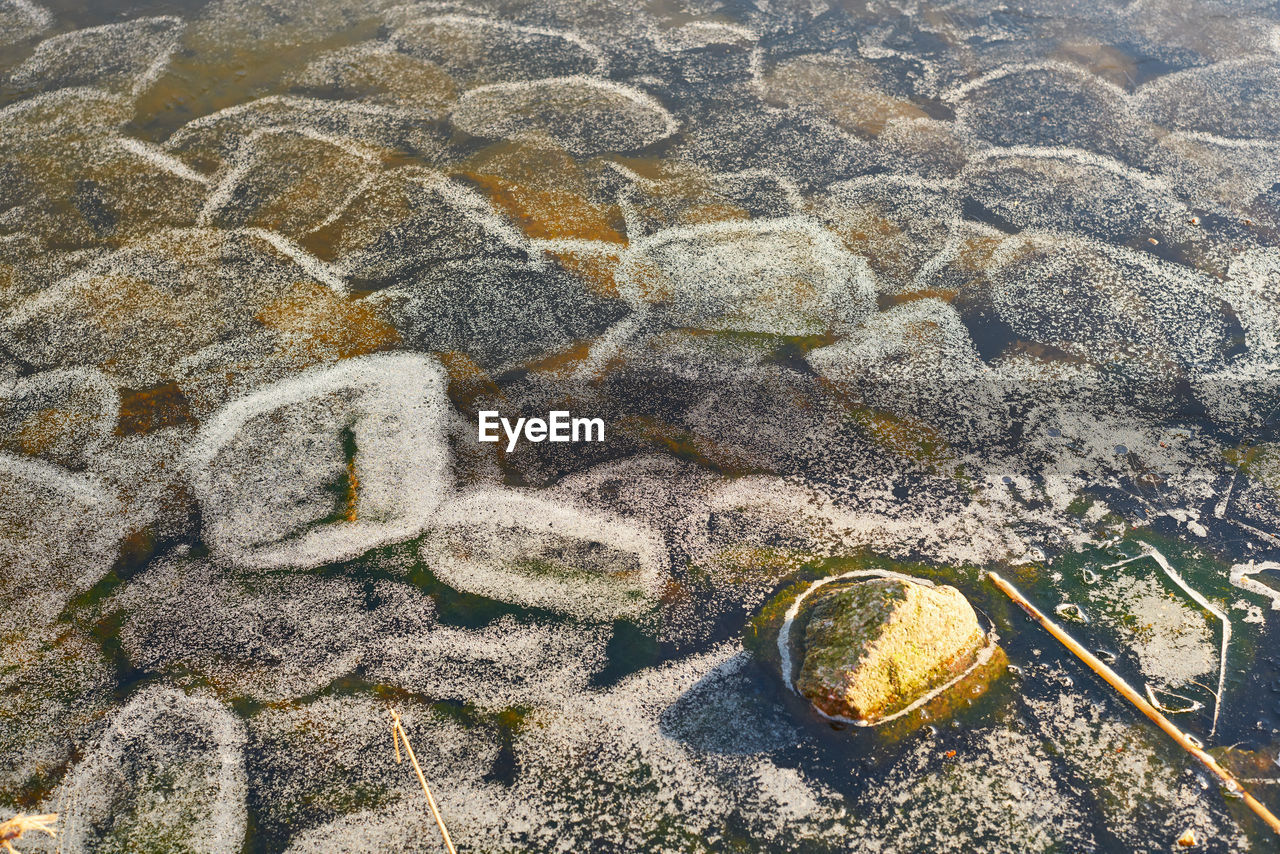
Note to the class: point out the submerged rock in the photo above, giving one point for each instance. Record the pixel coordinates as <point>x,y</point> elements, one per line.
<point>62,416</point>
<point>62,533</point>
<point>21,19</point>
<point>784,276</point>
<point>268,638</point>
<point>581,114</point>
<point>52,700</point>
<point>325,466</point>
<point>122,57</point>
<point>288,180</point>
<point>168,775</point>
<point>520,548</point>
<point>477,51</point>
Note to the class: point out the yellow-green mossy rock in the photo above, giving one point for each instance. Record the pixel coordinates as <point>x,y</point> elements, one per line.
<point>873,648</point>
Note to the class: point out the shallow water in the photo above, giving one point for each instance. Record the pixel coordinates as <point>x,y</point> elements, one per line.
<point>937,287</point>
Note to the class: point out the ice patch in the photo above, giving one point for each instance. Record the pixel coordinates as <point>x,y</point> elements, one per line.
<point>899,222</point>
<point>915,360</point>
<point>1240,573</point>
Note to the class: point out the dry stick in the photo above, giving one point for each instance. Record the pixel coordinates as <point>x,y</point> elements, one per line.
<point>398,734</point>
<point>1115,681</point>
<point>12,831</point>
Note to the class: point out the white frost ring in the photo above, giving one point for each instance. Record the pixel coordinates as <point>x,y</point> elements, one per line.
<point>784,645</point>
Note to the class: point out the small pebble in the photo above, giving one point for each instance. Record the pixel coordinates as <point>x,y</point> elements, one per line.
<point>1153,241</point>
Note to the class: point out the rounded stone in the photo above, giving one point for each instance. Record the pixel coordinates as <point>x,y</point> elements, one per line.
<point>873,648</point>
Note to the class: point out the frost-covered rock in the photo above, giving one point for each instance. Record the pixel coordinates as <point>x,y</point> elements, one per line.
<point>137,313</point>
<point>497,313</point>
<point>22,19</point>
<point>476,51</point>
<point>535,551</point>
<point>123,57</point>
<point>63,416</point>
<point>1050,104</point>
<point>1236,99</point>
<point>53,699</point>
<point>61,533</point>
<point>288,181</point>
<point>841,88</point>
<point>784,277</point>
<point>267,638</point>
<point>405,222</point>
<point>212,141</point>
<point>168,774</point>
<point>1109,305</point>
<point>73,180</point>
<point>898,223</point>
<point>1078,192</point>
<point>581,114</point>
<point>327,465</point>
<point>916,360</point>
<point>375,73</point>
<point>504,664</point>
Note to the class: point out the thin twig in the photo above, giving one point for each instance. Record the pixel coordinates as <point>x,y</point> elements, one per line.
<point>12,830</point>
<point>397,735</point>
<point>1112,678</point>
